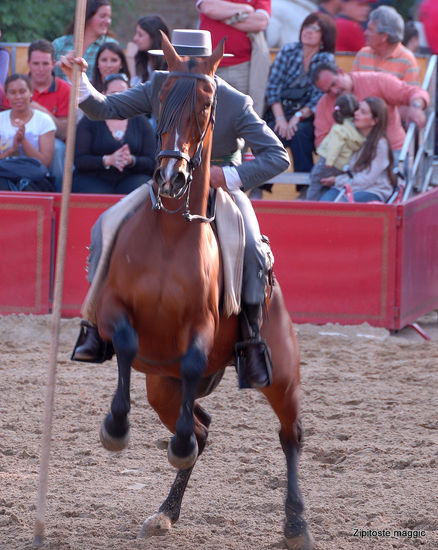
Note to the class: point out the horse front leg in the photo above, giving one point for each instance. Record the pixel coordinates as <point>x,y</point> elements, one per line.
<point>183,446</point>
<point>114,431</point>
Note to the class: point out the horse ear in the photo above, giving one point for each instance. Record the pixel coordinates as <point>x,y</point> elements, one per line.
<point>217,55</point>
<point>170,54</point>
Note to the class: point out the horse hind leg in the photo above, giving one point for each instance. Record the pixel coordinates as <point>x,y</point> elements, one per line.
<point>114,431</point>
<point>169,512</point>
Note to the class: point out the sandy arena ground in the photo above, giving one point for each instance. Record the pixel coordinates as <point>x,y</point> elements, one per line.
<point>369,461</point>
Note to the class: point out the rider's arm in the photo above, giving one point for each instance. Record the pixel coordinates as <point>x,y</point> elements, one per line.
<point>129,104</point>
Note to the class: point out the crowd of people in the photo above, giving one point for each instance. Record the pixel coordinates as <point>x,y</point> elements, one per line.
<point>339,127</point>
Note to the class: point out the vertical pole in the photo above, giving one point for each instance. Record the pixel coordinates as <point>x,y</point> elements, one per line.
<point>59,280</point>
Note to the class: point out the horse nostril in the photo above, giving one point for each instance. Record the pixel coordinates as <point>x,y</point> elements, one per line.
<point>179,181</point>
<point>158,176</point>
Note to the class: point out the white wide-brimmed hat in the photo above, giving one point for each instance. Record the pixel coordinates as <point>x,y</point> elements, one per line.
<point>194,43</point>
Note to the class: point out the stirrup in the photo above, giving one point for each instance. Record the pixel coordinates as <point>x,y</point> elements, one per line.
<point>241,349</point>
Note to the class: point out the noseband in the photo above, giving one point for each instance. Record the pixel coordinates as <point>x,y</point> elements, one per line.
<point>169,114</point>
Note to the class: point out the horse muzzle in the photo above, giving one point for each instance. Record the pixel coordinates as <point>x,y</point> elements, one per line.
<point>171,184</point>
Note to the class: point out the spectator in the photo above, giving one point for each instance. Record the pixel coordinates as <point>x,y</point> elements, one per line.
<point>239,21</point>
<point>291,94</point>
<point>411,38</point>
<point>372,177</point>
<point>334,82</point>
<point>349,21</point>
<point>147,37</point>
<point>336,148</point>
<point>51,95</point>
<point>428,15</point>
<point>113,156</point>
<point>110,59</point>
<point>4,67</point>
<point>24,131</point>
<point>384,51</point>
<point>329,7</point>
<point>97,24</point>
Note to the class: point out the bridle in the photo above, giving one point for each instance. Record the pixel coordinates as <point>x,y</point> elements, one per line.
<point>169,114</point>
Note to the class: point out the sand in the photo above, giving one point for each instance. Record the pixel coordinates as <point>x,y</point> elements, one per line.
<point>369,460</point>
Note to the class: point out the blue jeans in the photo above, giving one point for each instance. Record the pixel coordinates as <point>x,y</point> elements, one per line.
<point>302,146</point>
<point>359,196</point>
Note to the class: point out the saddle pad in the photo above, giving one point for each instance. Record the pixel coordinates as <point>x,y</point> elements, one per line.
<point>231,235</point>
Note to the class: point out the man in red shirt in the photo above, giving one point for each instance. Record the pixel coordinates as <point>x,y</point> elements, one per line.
<point>51,95</point>
<point>395,92</point>
<point>353,14</point>
<point>234,19</point>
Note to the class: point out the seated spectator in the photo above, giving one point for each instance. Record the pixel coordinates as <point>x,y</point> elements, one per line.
<point>97,24</point>
<point>384,51</point>
<point>353,14</point>
<point>329,7</point>
<point>4,66</point>
<point>147,37</point>
<point>334,82</point>
<point>24,131</point>
<point>336,148</point>
<point>411,37</point>
<point>51,95</point>
<point>110,59</point>
<point>372,177</point>
<point>113,156</point>
<point>291,95</point>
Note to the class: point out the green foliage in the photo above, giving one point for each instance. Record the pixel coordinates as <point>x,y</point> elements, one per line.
<point>404,7</point>
<point>28,20</point>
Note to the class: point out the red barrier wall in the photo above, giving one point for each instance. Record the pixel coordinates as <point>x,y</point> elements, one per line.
<point>25,244</point>
<point>346,263</point>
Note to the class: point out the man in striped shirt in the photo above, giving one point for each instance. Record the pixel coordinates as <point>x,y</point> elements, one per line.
<point>385,51</point>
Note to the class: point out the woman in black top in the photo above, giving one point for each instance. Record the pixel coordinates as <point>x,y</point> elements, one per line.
<point>113,156</point>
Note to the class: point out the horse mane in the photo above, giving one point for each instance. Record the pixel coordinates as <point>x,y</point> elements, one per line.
<point>182,92</point>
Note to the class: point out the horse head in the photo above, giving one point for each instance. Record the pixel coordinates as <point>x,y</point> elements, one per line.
<point>188,101</point>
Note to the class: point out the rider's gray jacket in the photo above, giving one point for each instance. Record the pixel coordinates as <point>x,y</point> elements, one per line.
<point>236,122</point>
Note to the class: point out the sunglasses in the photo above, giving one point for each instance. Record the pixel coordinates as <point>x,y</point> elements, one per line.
<point>315,28</point>
<point>116,76</point>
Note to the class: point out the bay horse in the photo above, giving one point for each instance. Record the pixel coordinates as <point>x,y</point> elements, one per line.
<point>160,303</point>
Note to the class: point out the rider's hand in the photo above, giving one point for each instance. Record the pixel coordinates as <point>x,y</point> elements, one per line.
<point>217,178</point>
<point>66,62</point>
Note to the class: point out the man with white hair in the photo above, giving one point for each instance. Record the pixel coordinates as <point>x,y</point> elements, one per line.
<point>384,50</point>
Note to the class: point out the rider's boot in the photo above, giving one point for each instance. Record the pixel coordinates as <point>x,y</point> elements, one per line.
<point>90,348</point>
<point>253,357</point>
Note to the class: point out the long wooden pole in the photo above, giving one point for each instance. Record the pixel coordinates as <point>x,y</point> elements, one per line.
<point>59,280</point>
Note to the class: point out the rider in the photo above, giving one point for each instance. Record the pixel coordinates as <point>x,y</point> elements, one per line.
<point>236,123</point>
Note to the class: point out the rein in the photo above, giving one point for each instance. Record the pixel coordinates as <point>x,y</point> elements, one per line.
<point>171,115</point>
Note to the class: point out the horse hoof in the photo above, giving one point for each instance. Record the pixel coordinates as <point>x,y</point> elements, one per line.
<point>158,524</point>
<point>183,462</point>
<point>300,542</point>
<point>111,443</point>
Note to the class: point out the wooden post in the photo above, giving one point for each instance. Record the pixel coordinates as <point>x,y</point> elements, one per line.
<point>59,280</point>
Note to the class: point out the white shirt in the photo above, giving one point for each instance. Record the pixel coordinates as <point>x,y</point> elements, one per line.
<point>38,125</point>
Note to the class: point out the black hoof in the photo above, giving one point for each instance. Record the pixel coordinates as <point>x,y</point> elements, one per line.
<point>114,437</point>
<point>182,454</point>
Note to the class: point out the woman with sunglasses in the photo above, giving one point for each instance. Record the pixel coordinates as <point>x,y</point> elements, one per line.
<point>291,95</point>
<point>113,156</point>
